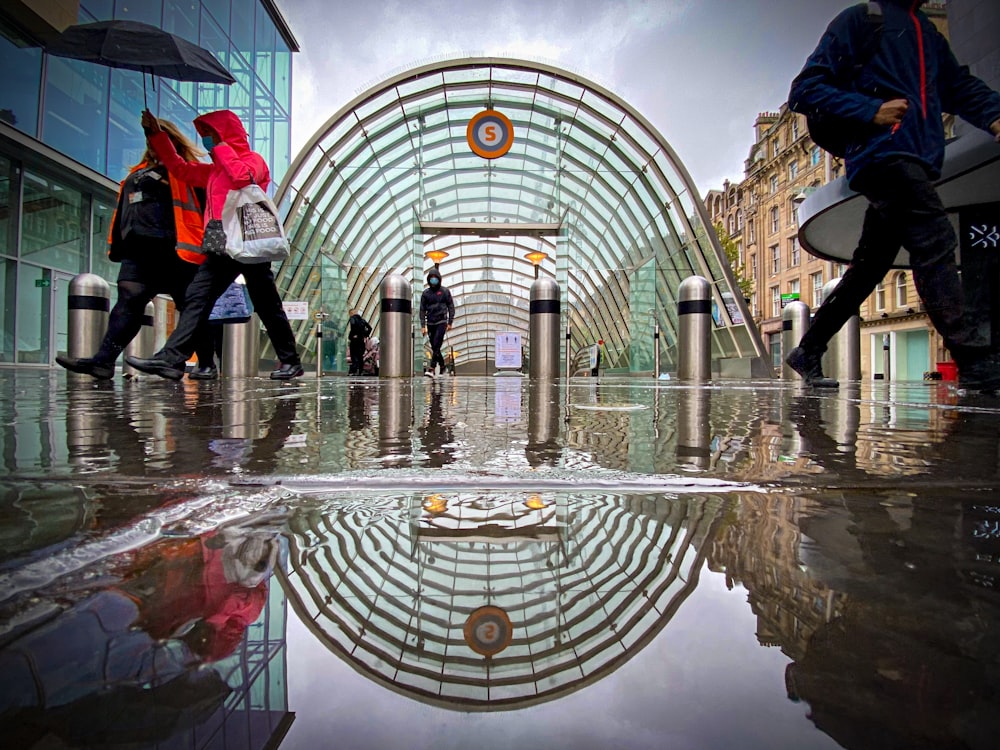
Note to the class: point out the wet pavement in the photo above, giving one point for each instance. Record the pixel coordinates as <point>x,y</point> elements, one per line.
<point>483,562</point>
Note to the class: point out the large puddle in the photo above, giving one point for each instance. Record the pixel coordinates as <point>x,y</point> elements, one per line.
<point>483,562</point>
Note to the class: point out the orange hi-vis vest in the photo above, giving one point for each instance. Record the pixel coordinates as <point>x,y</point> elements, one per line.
<point>188,219</point>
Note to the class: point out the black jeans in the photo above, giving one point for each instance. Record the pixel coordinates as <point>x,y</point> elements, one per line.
<point>904,211</point>
<point>152,267</point>
<point>435,334</point>
<point>357,348</point>
<point>211,280</point>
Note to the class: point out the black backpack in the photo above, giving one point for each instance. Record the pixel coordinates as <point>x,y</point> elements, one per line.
<point>830,132</point>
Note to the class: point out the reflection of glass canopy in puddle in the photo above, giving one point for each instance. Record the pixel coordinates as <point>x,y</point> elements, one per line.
<point>588,181</point>
<point>495,601</point>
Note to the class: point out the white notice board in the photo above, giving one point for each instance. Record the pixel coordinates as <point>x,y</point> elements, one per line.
<point>508,349</point>
<point>296,310</point>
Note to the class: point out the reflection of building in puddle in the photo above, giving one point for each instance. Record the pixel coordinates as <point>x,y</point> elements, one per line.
<point>760,548</point>
<point>480,601</point>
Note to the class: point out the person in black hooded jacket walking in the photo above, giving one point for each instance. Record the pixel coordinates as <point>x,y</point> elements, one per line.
<point>893,107</point>
<point>437,313</point>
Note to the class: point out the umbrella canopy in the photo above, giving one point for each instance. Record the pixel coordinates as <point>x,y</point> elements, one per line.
<point>138,46</point>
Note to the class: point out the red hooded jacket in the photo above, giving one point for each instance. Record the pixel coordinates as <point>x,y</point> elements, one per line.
<point>234,164</point>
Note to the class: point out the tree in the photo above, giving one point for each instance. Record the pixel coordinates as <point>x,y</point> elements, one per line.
<point>732,252</point>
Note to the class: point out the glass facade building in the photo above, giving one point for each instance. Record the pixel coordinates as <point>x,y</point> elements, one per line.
<point>587,181</point>
<point>69,132</point>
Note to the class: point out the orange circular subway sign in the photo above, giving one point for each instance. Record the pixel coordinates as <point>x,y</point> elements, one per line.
<point>490,134</point>
<point>488,631</point>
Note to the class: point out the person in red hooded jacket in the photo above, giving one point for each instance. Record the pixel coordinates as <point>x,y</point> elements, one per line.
<point>234,165</point>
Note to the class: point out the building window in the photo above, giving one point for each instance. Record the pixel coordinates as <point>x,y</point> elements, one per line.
<point>739,221</point>
<point>775,302</point>
<point>753,266</point>
<point>775,219</point>
<point>774,184</point>
<point>753,303</point>
<point>839,269</point>
<point>817,289</point>
<point>793,171</point>
<point>793,213</point>
<point>901,290</point>
<point>775,259</point>
<point>732,226</point>
<point>794,252</point>
<point>753,232</point>
<point>775,147</point>
<point>795,288</point>
<point>795,128</point>
<point>880,296</point>
<point>814,156</point>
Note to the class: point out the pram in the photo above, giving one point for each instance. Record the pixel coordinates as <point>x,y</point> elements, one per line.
<point>369,363</point>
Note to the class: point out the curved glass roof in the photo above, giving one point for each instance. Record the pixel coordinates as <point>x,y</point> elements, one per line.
<point>587,181</point>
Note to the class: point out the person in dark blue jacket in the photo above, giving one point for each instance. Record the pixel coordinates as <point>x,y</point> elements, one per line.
<point>895,156</point>
<point>437,313</point>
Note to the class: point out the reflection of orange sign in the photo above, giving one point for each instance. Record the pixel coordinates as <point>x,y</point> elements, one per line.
<point>488,631</point>
<point>490,134</point>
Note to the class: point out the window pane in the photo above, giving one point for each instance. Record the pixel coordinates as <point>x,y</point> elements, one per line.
<point>242,29</point>
<point>126,141</point>
<point>7,204</point>
<point>34,294</point>
<point>19,93</point>
<point>181,17</point>
<point>76,110</point>
<point>8,276</point>
<point>213,96</point>
<point>52,224</point>
<point>100,222</point>
<point>219,10</point>
<point>147,11</point>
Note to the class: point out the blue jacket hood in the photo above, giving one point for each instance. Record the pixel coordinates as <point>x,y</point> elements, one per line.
<point>913,61</point>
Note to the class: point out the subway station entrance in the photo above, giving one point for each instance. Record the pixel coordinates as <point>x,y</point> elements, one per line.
<point>496,169</point>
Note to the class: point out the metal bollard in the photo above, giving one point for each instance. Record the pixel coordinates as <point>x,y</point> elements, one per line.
<point>240,411</point>
<point>656,349</point>
<point>144,343</point>
<point>543,329</point>
<point>320,317</point>
<point>694,433</point>
<point>88,307</point>
<point>569,357</point>
<point>794,324</point>
<point>241,349</point>
<point>396,344</point>
<point>842,359</point>
<point>694,329</point>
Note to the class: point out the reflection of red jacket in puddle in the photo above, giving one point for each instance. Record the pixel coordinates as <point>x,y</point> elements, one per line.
<point>182,590</point>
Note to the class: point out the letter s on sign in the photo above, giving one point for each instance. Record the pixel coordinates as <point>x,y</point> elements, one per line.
<point>491,133</point>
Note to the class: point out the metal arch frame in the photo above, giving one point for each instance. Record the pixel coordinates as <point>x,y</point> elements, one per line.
<point>612,213</point>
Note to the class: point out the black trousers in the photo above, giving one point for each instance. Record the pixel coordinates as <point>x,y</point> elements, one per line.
<point>152,268</point>
<point>435,335</point>
<point>357,349</point>
<point>904,210</point>
<point>211,280</point>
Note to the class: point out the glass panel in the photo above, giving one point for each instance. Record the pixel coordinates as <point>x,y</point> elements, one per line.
<point>19,93</point>
<point>219,10</point>
<point>213,96</point>
<point>52,224</point>
<point>60,312</point>
<point>76,110</point>
<point>126,141</point>
<point>100,223</point>
<point>34,297</point>
<point>282,75</point>
<point>8,278</point>
<point>264,47</point>
<point>8,203</point>
<point>180,113</point>
<point>147,11</point>
<point>99,9</point>
<point>180,17</point>
<point>241,27</point>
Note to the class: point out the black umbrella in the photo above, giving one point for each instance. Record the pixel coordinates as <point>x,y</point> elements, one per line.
<point>138,46</point>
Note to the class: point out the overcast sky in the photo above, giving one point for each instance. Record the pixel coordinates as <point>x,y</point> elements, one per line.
<point>699,70</point>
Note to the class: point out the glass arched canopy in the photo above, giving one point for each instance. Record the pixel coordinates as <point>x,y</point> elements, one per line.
<point>587,181</point>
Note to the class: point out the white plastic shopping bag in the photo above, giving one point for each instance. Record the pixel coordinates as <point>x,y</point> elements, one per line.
<point>254,233</point>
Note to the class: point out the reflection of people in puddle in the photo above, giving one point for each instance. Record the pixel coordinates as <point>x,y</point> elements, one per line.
<point>910,663</point>
<point>817,442</point>
<point>253,453</point>
<point>436,433</point>
<point>127,656</point>
<point>357,406</point>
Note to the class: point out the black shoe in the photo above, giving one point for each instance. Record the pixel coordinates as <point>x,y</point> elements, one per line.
<point>155,366</point>
<point>204,373</point>
<point>287,372</point>
<point>981,374</point>
<point>809,366</point>
<point>88,366</point>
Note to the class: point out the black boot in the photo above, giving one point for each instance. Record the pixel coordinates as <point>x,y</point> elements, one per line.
<point>155,366</point>
<point>808,364</point>
<point>88,366</point>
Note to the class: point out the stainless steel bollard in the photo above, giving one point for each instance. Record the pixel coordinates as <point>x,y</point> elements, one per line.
<point>544,421</point>
<point>144,343</point>
<point>794,324</point>
<point>241,349</point>
<point>396,343</point>
<point>694,432</point>
<point>656,349</point>
<point>842,359</point>
<point>88,306</point>
<point>543,329</point>
<point>240,411</point>
<point>694,329</point>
